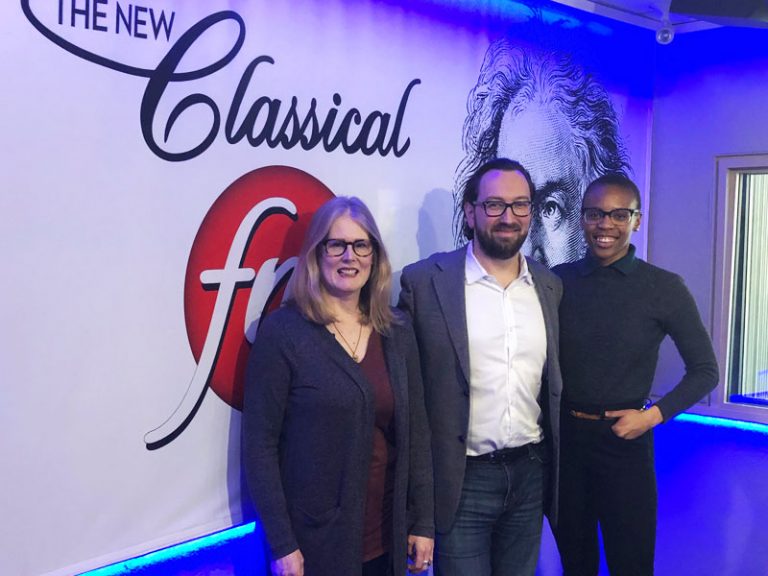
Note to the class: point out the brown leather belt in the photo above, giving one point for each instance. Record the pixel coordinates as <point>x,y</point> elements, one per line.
<point>587,416</point>
<point>598,413</point>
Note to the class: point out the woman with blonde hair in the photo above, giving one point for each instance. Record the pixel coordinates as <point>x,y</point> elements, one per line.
<point>335,435</point>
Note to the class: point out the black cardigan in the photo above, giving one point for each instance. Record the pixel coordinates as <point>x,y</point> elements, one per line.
<point>308,419</point>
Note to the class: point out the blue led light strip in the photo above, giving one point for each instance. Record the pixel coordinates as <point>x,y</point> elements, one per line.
<point>177,551</point>
<point>219,538</point>
<point>723,422</point>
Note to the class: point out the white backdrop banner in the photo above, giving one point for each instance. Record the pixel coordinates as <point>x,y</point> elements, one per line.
<point>160,162</point>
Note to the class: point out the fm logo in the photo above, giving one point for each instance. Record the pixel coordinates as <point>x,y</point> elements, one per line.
<point>241,258</point>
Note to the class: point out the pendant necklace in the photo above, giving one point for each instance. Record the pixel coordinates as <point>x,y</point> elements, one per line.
<point>348,345</point>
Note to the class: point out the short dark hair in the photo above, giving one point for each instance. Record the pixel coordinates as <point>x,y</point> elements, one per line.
<point>614,179</point>
<point>472,185</point>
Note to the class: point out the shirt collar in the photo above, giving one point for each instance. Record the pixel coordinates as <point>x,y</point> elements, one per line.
<point>474,271</point>
<point>626,264</point>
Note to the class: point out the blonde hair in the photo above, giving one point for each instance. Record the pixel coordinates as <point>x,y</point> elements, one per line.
<point>305,288</point>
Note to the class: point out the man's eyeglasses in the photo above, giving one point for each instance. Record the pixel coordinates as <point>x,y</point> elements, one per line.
<point>495,208</point>
<point>335,247</point>
<point>617,216</point>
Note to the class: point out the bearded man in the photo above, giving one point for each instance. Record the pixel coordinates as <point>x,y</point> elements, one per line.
<point>487,328</point>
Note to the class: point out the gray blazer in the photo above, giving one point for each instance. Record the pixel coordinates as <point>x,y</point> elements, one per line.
<point>433,295</point>
<point>308,417</point>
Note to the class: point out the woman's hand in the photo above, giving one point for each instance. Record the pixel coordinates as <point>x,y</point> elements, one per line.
<point>290,565</point>
<point>420,551</point>
<point>632,424</point>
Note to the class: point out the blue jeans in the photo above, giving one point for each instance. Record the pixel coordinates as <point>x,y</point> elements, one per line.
<point>498,525</point>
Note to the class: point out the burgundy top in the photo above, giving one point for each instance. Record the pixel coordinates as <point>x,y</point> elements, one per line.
<point>377,526</point>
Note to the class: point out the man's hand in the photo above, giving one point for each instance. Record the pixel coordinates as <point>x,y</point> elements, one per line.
<point>290,565</point>
<point>420,551</point>
<point>634,423</point>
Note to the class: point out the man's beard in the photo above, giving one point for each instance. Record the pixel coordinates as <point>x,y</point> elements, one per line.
<point>500,249</point>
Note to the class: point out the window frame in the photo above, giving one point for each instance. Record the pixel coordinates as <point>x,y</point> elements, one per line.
<point>728,168</point>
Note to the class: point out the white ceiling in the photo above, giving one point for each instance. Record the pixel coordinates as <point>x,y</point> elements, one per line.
<point>653,14</point>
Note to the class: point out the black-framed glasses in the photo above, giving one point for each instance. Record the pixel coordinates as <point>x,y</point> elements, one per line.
<point>495,208</point>
<point>617,216</point>
<point>335,247</point>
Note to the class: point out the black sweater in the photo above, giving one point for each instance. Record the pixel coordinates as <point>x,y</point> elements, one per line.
<point>612,322</point>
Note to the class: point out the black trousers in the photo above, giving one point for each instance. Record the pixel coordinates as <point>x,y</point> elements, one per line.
<point>609,482</point>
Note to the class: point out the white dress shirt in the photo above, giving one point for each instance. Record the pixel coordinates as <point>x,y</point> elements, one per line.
<point>507,352</point>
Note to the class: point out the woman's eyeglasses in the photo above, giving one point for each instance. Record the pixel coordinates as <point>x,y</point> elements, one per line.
<point>335,247</point>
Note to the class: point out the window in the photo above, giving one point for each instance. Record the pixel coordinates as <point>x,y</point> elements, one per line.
<point>741,288</point>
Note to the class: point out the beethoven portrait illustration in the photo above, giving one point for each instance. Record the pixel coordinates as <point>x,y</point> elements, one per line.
<point>545,111</point>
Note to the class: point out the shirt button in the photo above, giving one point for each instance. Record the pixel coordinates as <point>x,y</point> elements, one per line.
<point>462,438</point>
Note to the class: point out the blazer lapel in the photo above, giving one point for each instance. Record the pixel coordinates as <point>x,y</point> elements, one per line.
<point>546,294</point>
<point>449,289</point>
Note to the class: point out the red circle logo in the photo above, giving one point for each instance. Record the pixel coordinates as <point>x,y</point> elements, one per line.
<point>240,260</point>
